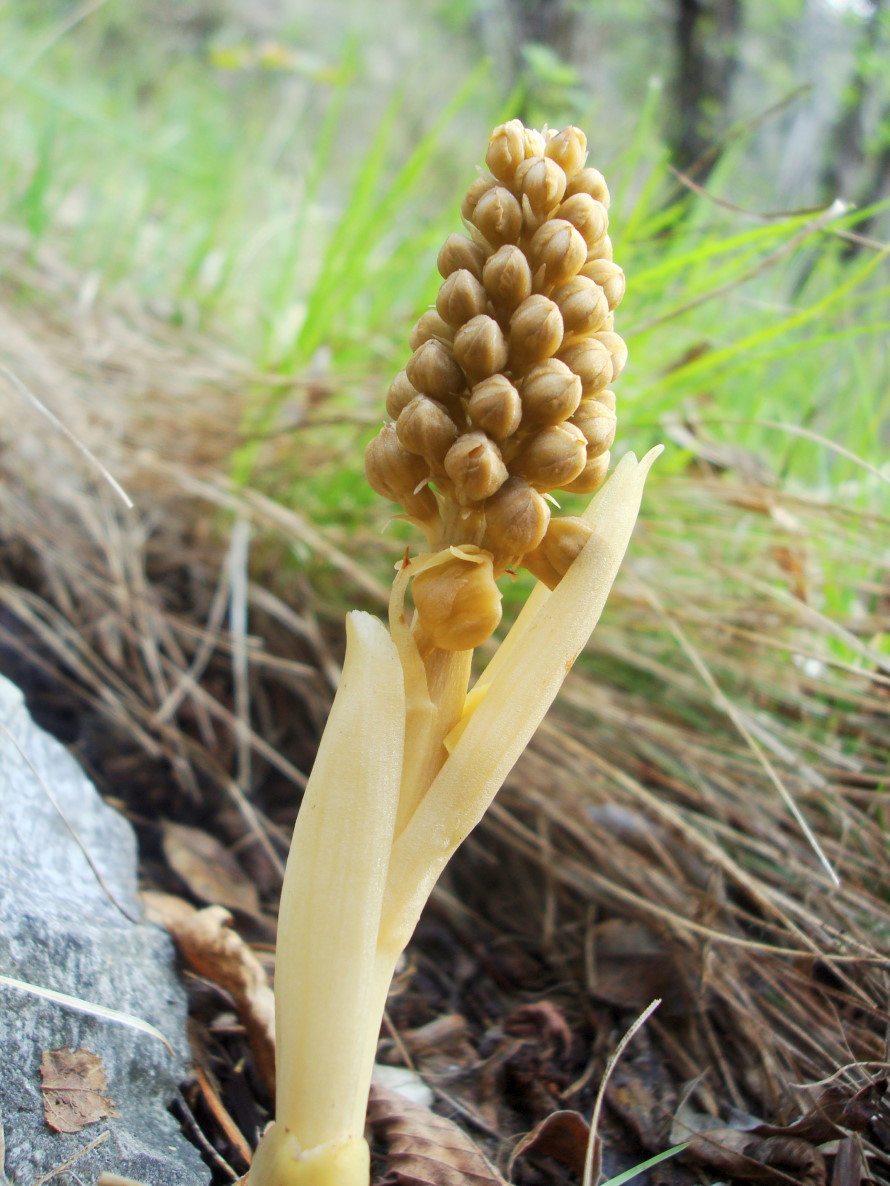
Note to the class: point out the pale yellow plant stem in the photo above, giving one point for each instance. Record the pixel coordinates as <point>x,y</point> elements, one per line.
<point>327,1016</point>
<point>435,691</point>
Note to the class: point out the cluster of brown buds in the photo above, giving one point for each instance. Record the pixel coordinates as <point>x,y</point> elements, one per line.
<point>506,396</point>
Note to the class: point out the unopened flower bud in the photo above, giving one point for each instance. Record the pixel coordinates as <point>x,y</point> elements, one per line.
<point>460,252</point>
<point>607,398</point>
<point>597,422</point>
<point>480,348</point>
<point>552,457</point>
<point>601,249</point>
<point>569,149</point>
<point>608,276</point>
<point>589,181</point>
<point>583,305</point>
<point>495,407</point>
<point>550,393</point>
<point>534,143</point>
<point>556,252</point>
<point>536,330</point>
<point>591,476</point>
<point>587,215</point>
<point>498,216</point>
<point>515,520</point>
<point>433,370</point>
<point>475,466</point>
<point>507,278</point>
<point>425,428</point>
<point>399,475</point>
<point>542,182</point>
<point>591,362</point>
<point>617,348</point>
<point>401,393</point>
<point>429,325</point>
<point>558,550</point>
<point>458,602</point>
<point>460,298</point>
<point>479,187</point>
<point>506,150</point>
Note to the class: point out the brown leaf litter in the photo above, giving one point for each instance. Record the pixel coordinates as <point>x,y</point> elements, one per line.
<point>73,1087</point>
<point>641,848</point>
<point>424,1149</point>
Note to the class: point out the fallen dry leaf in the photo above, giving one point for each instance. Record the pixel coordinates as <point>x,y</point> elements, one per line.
<point>213,950</point>
<point>743,1153</point>
<point>208,868</point>
<point>73,1089</point>
<point>424,1148</point>
<point>834,1113</point>
<point>633,966</point>
<point>561,1135</point>
<point>850,1166</point>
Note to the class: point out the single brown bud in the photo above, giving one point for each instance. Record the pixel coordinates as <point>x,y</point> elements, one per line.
<point>460,252</point>
<point>597,422</point>
<point>425,428</point>
<point>458,602</point>
<point>552,457</point>
<point>515,520</point>
<point>536,330</point>
<point>479,187</point>
<point>591,362</point>
<point>589,181</point>
<point>558,550</point>
<point>550,393</point>
<point>480,348</point>
<point>591,476</point>
<point>429,325</point>
<point>401,393</point>
<point>542,182</point>
<point>506,150</point>
<point>556,252</point>
<point>461,298</point>
<point>587,215</point>
<point>399,475</point>
<point>433,370</point>
<point>475,466</point>
<point>601,249</point>
<point>569,149</point>
<point>617,348</point>
<point>507,279</point>
<point>494,406</point>
<point>583,305</point>
<point>498,216</point>
<point>608,276</point>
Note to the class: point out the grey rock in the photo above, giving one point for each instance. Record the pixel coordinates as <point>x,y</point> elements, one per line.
<point>70,922</point>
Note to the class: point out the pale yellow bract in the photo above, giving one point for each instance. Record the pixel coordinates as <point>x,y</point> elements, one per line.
<point>410,760</point>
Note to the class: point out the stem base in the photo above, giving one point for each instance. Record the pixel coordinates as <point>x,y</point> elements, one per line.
<point>279,1161</point>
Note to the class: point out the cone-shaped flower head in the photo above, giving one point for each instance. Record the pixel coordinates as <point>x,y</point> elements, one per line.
<point>506,396</point>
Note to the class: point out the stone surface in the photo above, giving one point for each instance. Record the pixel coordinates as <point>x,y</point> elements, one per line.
<point>64,926</point>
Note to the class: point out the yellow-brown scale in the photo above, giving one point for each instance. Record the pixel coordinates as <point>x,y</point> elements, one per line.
<point>506,396</point>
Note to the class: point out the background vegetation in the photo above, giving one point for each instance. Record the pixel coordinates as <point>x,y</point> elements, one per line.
<point>282,183</point>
